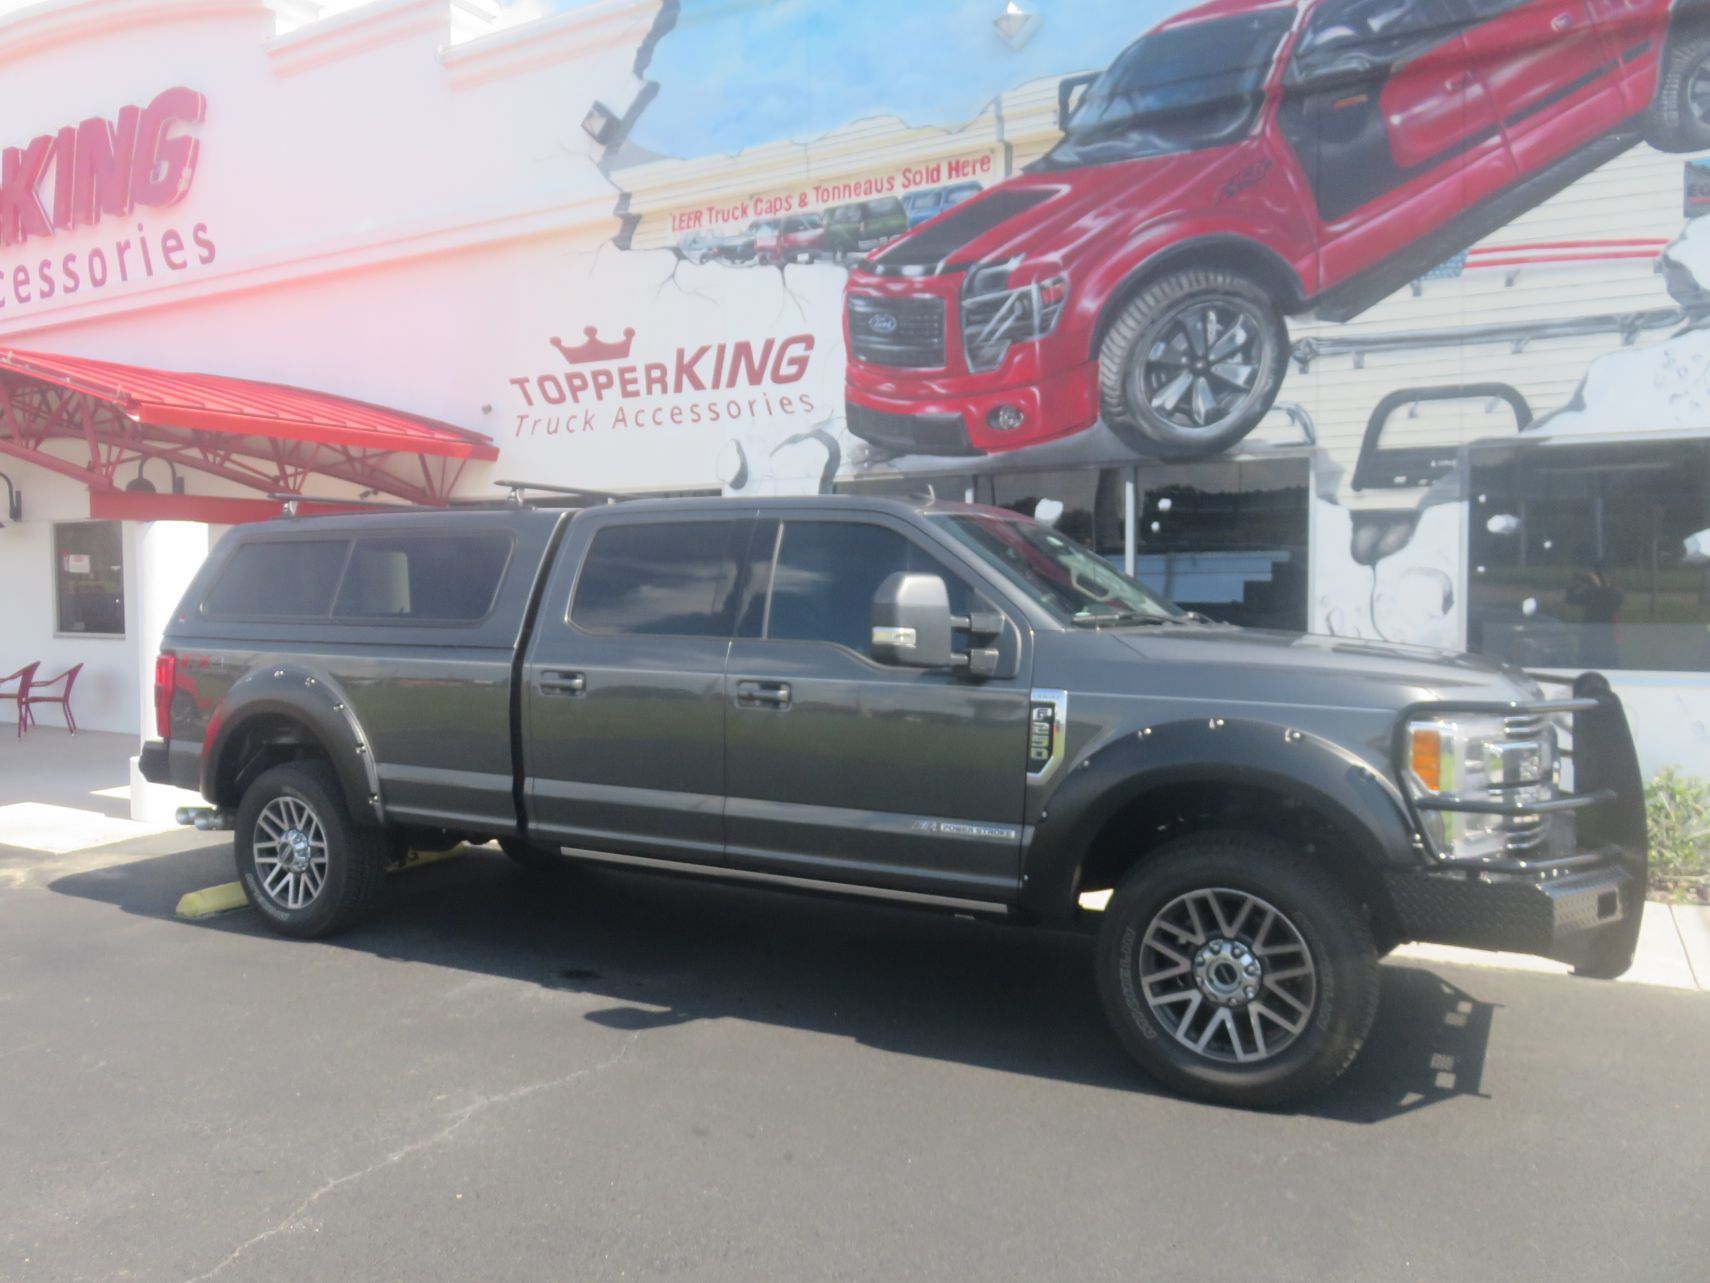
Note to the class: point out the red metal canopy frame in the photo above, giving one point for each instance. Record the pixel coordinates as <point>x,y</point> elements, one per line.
<point>264,436</point>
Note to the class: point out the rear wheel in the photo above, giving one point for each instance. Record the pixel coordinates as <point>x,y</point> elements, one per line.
<point>1192,364</point>
<point>305,863</point>
<point>1235,970</point>
<point>1679,117</point>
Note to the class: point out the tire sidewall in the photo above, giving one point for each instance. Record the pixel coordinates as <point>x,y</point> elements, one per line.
<point>1341,950</point>
<point>1672,127</point>
<point>317,790</point>
<point>1139,427</point>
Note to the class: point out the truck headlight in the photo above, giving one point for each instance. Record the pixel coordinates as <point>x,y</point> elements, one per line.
<point>996,314</point>
<point>1480,759</point>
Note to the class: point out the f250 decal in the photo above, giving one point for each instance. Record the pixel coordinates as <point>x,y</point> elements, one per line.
<point>1047,720</point>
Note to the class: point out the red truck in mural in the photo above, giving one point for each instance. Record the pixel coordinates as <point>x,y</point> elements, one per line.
<point>1244,161</point>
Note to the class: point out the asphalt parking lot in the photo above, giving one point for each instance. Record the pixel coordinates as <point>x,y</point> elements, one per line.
<point>616,1076</point>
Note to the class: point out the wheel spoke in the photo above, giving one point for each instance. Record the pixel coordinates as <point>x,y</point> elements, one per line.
<point>1235,374</point>
<point>1170,953</point>
<point>1195,333</point>
<point>1222,1017</point>
<point>1224,929</point>
<point>1170,395</point>
<point>1276,988</point>
<point>1234,340</point>
<point>1263,1009</point>
<point>1204,401</point>
<point>1258,1032</point>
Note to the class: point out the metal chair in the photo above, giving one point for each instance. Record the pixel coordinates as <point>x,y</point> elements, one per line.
<point>65,681</point>
<point>23,677</point>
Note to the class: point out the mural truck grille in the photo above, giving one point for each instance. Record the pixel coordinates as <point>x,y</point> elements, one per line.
<point>897,331</point>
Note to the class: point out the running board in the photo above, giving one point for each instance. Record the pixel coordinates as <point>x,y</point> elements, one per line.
<point>921,898</point>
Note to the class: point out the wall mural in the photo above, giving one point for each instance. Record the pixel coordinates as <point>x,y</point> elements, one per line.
<point>1365,232</point>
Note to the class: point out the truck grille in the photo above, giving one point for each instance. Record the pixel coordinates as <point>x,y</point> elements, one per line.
<point>905,332</point>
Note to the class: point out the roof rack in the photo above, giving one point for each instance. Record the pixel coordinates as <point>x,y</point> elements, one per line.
<point>291,502</point>
<point>517,488</point>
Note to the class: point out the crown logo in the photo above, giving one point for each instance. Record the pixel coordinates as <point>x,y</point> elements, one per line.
<point>594,349</point>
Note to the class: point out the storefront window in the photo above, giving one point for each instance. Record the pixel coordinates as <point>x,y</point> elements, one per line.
<point>1227,540</point>
<point>1592,557</point>
<point>89,578</point>
<point>1083,503</point>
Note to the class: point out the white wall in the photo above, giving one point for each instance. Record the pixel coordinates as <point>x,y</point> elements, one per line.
<point>105,698</point>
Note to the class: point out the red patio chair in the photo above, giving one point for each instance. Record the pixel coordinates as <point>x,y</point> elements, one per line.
<point>22,677</point>
<point>65,681</point>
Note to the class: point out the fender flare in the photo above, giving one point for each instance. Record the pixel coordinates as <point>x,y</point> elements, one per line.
<point>1208,248</point>
<point>315,701</point>
<point>1363,804</point>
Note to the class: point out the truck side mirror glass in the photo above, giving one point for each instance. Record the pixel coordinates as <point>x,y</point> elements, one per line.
<point>911,622</point>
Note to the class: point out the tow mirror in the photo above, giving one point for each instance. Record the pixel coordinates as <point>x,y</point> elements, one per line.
<point>911,622</point>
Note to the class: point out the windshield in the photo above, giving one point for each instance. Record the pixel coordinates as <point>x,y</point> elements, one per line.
<point>1074,583</point>
<point>1174,90</point>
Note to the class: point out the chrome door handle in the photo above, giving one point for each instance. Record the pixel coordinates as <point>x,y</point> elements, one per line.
<point>559,682</point>
<point>769,694</point>
<point>1561,22</point>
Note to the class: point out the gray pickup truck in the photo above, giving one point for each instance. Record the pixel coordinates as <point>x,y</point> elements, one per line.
<point>930,703</point>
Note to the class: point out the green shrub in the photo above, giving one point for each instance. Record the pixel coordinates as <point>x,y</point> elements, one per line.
<point>1677,810</point>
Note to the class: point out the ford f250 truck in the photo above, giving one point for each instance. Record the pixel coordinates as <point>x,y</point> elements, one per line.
<point>930,703</point>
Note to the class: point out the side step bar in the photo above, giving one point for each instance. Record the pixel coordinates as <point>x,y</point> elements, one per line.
<point>784,880</point>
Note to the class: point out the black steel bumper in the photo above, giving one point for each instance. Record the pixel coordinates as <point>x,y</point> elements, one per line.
<point>1581,908</point>
<point>1579,918</point>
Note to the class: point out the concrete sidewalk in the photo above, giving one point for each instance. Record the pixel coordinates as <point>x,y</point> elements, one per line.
<point>61,793</point>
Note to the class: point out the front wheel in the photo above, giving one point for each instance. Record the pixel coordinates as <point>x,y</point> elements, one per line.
<point>1678,119</point>
<point>305,863</point>
<point>1235,970</point>
<point>1192,364</point>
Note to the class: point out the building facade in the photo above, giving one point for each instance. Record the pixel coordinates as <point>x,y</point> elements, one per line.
<point>1372,319</point>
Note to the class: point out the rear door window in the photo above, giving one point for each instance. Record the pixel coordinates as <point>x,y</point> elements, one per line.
<point>666,579</point>
<point>443,578</point>
<point>282,579</point>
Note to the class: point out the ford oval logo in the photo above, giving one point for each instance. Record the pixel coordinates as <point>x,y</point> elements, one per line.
<point>882,323</point>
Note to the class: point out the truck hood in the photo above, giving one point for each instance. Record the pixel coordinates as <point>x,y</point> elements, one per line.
<point>1286,667</point>
<point>1055,213</point>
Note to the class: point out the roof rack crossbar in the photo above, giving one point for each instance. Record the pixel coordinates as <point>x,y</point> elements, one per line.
<point>578,492</point>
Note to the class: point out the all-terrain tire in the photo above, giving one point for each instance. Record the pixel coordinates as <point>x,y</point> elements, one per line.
<point>297,813</point>
<point>1229,385</point>
<point>1298,914</point>
<point>1678,119</point>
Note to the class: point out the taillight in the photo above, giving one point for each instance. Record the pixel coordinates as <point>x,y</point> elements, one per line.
<point>165,682</point>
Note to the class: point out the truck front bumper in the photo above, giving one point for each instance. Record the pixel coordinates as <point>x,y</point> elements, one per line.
<point>1579,917</point>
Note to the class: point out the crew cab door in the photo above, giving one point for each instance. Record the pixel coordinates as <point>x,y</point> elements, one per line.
<point>623,701</point>
<point>1550,71</point>
<point>1393,128</point>
<point>842,769</point>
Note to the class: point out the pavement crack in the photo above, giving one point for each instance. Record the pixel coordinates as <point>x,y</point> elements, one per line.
<point>454,1122</point>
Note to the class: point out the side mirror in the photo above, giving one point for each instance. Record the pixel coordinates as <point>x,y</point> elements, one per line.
<point>1068,100</point>
<point>911,622</point>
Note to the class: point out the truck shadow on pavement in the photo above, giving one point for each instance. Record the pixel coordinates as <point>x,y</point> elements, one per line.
<point>654,952</point>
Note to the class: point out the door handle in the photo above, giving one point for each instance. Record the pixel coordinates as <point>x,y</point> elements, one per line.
<point>1561,22</point>
<point>763,694</point>
<point>558,682</point>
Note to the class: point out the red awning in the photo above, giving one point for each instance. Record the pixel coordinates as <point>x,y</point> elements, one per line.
<point>264,436</point>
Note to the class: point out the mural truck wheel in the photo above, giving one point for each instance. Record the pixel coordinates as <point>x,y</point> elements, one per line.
<point>1679,117</point>
<point>1192,364</point>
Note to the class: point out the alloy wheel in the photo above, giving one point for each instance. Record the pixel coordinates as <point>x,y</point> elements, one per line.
<point>1201,368</point>
<point>290,850</point>
<point>1227,975</point>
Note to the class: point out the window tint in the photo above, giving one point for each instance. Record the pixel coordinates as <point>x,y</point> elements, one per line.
<point>442,577</point>
<point>827,573</point>
<point>672,579</point>
<point>285,579</point>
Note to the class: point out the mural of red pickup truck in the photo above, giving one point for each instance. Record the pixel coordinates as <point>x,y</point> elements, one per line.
<point>1244,161</point>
